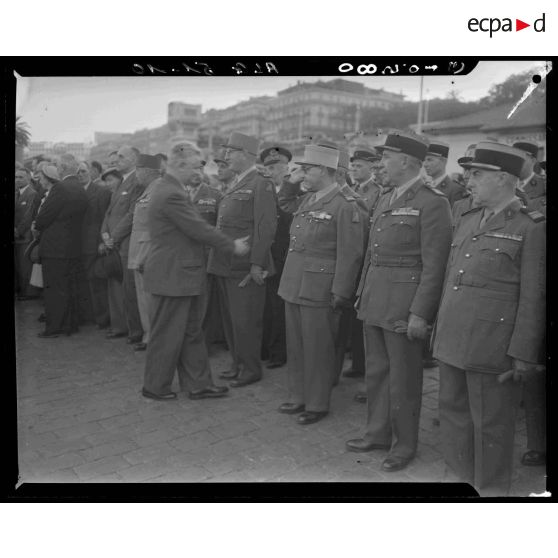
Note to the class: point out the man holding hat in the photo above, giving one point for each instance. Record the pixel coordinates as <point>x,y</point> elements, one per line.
<point>435,164</point>
<point>148,170</point>
<point>398,296</point>
<point>531,183</point>
<point>318,280</point>
<point>491,321</point>
<point>276,160</point>
<point>362,169</point>
<point>248,208</point>
<point>174,275</point>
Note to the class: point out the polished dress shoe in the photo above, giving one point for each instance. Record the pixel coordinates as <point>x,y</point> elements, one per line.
<point>534,458</point>
<point>361,445</point>
<point>228,375</point>
<point>291,408</point>
<point>276,364</point>
<point>392,464</point>
<point>241,382</point>
<point>114,335</point>
<point>134,340</point>
<point>165,397</point>
<point>353,373</point>
<point>360,397</point>
<point>48,334</point>
<point>310,417</point>
<point>140,346</point>
<point>209,392</point>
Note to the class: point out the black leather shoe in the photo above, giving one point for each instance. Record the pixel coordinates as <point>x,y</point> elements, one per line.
<point>48,334</point>
<point>360,397</point>
<point>165,397</point>
<point>361,445</point>
<point>228,375</point>
<point>134,340</point>
<point>276,364</point>
<point>392,464</point>
<point>241,382</point>
<point>310,417</point>
<point>353,373</point>
<point>533,458</point>
<point>209,392</point>
<point>114,335</point>
<point>140,346</point>
<point>291,408</point>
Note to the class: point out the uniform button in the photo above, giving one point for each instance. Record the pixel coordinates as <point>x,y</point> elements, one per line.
<point>294,237</point>
<point>298,226</point>
<point>497,249</point>
<point>375,246</point>
<point>501,319</point>
<point>467,255</point>
<point>474,238</point>
<point>321,268</point>
<point>455,288</point>
<point>401,222</point>
<point>379,230</point>
<point>461,271</point>
<point>290,249</point>
<point>453,245</point>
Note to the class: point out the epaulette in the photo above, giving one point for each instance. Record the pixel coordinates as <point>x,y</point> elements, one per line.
<point>436,191</point>
<point>536,216</point>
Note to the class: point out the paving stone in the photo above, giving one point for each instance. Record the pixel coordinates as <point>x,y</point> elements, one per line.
<point>193,441</point>
<point>79,431</point>
<point>149,453</point>
<point>101,467</point>
<point>190,474</point>
<point>157,436</point>
<point>233,429</point>
<point>107,450</point>
<point>63,461</point>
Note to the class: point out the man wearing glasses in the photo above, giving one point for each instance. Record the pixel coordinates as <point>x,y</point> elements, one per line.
<point>248,208</point>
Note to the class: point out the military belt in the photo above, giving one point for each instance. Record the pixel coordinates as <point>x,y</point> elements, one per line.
<point>395,261</point>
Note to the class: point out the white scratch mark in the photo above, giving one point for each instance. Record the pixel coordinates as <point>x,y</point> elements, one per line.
<point>532,86</point>
<point>542,495</point>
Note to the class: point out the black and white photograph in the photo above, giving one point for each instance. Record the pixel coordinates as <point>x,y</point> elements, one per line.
<point>282,278</point>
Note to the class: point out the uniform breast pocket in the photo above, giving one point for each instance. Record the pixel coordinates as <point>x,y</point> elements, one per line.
<point>192,271</point>
<point>499,255</point>
<point>405,230</point>
<point>317,280</point>
<point>241,205</point>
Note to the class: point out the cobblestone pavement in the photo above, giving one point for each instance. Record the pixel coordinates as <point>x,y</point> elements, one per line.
<point>81,418</point>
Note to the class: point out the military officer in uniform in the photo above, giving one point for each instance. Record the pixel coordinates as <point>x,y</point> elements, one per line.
<point>174,275</point>
<point>435,164</point>
<point>318,280</point>
<point>206,200</point>
<point>362,171</point>
<point>398,295</point>
<point>466,203</point>
<point>491,321</point>
<point>276,161</point>
<point>247,208</point>
<point>532,184</point>
<point>148,170</point>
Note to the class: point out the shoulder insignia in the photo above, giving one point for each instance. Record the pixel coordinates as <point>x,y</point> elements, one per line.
<point>406,211</point>
<point>508,236</point>
<point>536,216</point>
<point>436,191</point>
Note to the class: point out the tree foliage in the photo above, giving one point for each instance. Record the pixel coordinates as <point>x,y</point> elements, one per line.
<point>22,133</point>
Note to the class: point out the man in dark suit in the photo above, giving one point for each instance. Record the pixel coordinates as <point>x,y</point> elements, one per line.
<point>93,291</point>
<point>174,274</point>
<point>59,222</point>
<point>247,208</point>
<point>115,231</point>
<point>435,164</point>
<point>398,296</point>
<point>26,204</point>
<point>276,162</point>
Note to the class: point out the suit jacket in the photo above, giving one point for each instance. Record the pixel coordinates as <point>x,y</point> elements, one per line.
<point>175,262</point>
<point>493,306</point>
<point>206,200</point>
<point>248,209</point>
<point>406,257</point>
<point>26,207</point>
<point>120,213</point>
<point>60,220</point>
<point>326,247</point>
<point>140,237</point>
<point>452,190</point>
<point>98,200</point>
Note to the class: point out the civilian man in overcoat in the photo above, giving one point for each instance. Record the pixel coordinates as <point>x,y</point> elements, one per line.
<point>398,296</point>
<point>175,276</point>
<point>248,208</point>
<point>318,280</point>
<point>491,321</point>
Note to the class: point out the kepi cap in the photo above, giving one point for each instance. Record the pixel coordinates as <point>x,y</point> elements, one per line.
<point>344,157</point>
<point>50,171</point>
<point>438,149</point>
<point>468,157</point>
<point>527,146</point>
<point>243,142</point>
<point>368,154</point>
<point>405,142</point>
<point>494,156</point>
<point>274,154</point>
<point>320,156</point>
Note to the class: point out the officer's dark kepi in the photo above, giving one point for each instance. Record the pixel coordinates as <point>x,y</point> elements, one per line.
<point>468,157</point>
<point>402,142</point>
<point>438,149</point>
<point>531,148</point>
<point>275,154</point>
<point>365,155</point>
<point>494,156</point>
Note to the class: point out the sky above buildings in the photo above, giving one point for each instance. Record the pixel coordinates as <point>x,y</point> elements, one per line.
<point>70,109</point>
